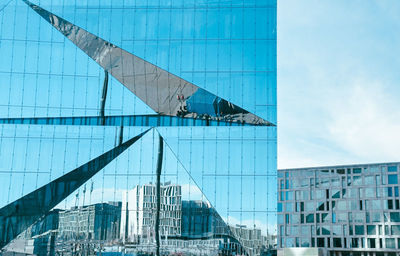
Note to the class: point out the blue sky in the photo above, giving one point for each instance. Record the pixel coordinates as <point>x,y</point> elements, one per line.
<point>338,82</point>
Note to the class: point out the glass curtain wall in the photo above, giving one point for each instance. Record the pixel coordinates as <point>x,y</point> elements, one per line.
<point>89,164</point>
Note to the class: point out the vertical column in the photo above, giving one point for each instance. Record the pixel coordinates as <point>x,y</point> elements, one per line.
<point>103,97</point>
<point>158,193</point>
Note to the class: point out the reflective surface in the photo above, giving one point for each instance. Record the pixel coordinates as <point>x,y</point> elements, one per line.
<point>217,180</point>
<point>164,92</point>
<point>20,214</point>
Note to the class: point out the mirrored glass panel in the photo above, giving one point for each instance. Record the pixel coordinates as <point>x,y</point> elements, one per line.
<point>139,127</point>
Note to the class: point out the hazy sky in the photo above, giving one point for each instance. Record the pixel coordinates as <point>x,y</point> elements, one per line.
<point>338,82</point>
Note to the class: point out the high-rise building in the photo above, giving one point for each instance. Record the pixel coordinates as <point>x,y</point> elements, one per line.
<point>343,210</point>
<point>139,208</point>
<point>98,97</point>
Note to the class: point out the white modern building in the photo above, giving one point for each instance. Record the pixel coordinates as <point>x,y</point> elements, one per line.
<point>139,211</point>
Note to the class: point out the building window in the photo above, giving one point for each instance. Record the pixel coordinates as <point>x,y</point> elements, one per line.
<point>325,217</point>
<point>337,242</point>
<point>340,171</point>
<point>371,243</point>
<point>295,219</point>
<point>359,229</point>
<point>287,218</point>
<point>310,218</point>
<point>320,242</point>
<point>390,204</point>
<point>395,217</point>
<point>357,180</point>
<point>310,206</point>
<point>389,192</point>
<point>337,230</point>
<point>371,230</point>
<point>290,242</point>
<point>369,180</point>
<point>289,207</point>
<point>395,230</point>
<point>321,206</point>
<point>392,179</point>
<point>390,243</point>
<point>280,218</point>
<point>326,230</point>
<point>335,193</point>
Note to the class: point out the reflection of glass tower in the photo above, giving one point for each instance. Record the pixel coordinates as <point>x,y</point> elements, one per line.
<point>88,88</point>
<point>141,203</point>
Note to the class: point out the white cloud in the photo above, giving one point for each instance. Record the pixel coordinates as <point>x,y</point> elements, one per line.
<point>368,122</point>
<point>337,84</point>
<point>192,192</point>
<point>250,223</point>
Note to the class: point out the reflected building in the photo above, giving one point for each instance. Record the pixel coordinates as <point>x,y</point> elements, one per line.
<point>139,208</point>
<point>198,219</point>
<point>343,210</point>
<point>39,239</point>
<point>183,224</point>
<point>250,238</point>
<point>99,222</point>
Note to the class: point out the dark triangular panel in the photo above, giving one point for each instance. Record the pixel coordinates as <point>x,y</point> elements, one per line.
<point>22,213</point>
<point>165,93</point>
<point>33,155</point>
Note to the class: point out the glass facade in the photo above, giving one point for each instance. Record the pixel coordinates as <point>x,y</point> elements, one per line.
<point>351,208</point>
<point>138,127</point>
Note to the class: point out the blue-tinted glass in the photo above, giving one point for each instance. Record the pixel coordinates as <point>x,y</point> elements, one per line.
<point>393,179</point>
<point>390,191</point>
<point>218,175</point>
<point>390,243</point>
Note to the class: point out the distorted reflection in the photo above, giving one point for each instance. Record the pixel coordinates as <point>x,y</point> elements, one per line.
<point>187,227</point>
